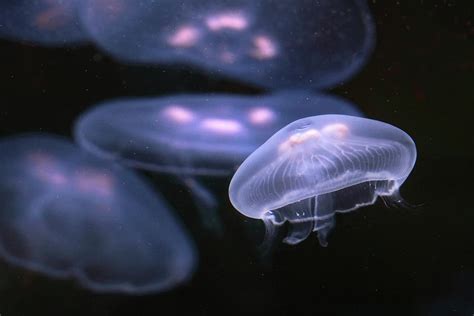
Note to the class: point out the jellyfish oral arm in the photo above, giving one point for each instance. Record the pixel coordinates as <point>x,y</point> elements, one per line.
<point>302,218</point>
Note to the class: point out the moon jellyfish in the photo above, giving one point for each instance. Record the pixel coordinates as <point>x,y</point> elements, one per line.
<point>319,166</point>
<point>48,22</point>
<point>269,43</point>
<point>68,214</point>
<point>195,135</point>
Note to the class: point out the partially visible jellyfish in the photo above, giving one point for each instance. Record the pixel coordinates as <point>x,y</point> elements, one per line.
<point>47,22</point>
<point>195,135</point>
<point>275,44</point>
<point>319,166</point>
<point>68,214</point>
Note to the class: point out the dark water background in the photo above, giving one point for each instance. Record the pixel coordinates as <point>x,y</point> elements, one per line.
<point>379,261</point>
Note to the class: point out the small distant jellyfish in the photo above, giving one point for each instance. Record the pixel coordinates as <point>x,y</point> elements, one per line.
<point>191,136</point>
<point>319,166</point>
<point>68,214</point>
<point>46,22</point>
<point>272,44</point>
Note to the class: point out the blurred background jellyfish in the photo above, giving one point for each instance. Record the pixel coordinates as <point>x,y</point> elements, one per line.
<point>195,135</point>
<point>68,214</point>
<point>46,22</point>
<point>273,44</point>
<point>319,166</point>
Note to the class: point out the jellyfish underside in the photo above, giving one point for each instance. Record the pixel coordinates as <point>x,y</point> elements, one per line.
<point>317,213</point>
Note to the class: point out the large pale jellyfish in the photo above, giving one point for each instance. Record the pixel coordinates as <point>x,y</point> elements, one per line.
<point>319,166</point>
<point>68,214</point>
<point>195,135</point>
<point>273,44</point>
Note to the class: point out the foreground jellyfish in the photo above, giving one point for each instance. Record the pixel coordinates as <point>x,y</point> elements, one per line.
<point>195,135</point>
<point>47,22</point>
<point>276,44</point>
<point>68,214</point>
<point>319,166</point>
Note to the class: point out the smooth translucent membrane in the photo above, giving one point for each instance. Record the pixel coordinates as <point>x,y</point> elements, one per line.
<point>195,135</point>
<point>45,22</point>
<point>68,214</point>
<point>273,44</point>
<point>319,166</point>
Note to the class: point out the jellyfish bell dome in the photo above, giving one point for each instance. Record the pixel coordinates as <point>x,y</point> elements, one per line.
<point>195,134</point>
<point>68,214</point>
<point>318,166</point>
<point>272,44</point>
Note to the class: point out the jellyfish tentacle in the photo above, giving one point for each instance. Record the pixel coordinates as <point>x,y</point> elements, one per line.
<point>298,232</point>
<point>207,205</point>
<point>324,227</point>
<point>272,223</point>
<point>300,228</point>
<point>396,200</point>
<point>324,223</point>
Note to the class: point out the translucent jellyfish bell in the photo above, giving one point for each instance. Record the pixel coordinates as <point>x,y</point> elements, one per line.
<point>195,135</point>
<point>318,166</point>
<point>68,214</point>
<point>47,22</point>
<point>271,44</point>
<point>198,134</point>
